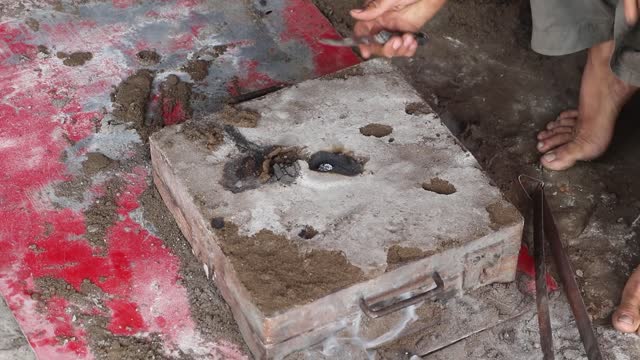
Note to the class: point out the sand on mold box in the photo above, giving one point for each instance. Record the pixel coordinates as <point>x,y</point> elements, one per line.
<point>279,274</point>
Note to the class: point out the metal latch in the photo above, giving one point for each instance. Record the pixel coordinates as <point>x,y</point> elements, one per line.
<point>381,308</point>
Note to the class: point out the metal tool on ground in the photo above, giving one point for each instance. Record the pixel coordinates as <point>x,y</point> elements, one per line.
<point>380,38</point>
<point>542,298</point>
<point>545,229</point>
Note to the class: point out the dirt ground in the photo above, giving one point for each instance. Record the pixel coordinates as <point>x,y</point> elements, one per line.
<point>494,93</point>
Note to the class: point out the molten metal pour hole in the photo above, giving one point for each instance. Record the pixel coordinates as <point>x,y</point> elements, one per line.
<point>336,163</point>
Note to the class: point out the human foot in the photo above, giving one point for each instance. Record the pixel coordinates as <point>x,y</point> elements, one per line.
<point>626,318</point>
<point>585,134</point>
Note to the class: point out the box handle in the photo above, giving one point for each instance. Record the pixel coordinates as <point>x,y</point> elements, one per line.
<point>374,311</point>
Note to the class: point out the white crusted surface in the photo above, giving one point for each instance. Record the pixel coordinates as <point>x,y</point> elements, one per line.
<point>361,216</point>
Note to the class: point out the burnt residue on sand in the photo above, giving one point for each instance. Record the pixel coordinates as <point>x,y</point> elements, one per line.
<point>77,58</point>
<point>243,173</point>
<point>131,97</point>
<point>439,186</point>
<point>259,164</point>
<point>308,232</point>
<point>399,255</point>
<point>209,311</point>
<point>281,163</point>
<point>502,215</point>
<point>234,116</point>
<point>102,214</point>
<point>197,69</point>
<point>337,162</point>
<point>148,57</point>
<point>279,274</point>
<point>175,92</point>
<point>210,134</point>
<point>377,130</point>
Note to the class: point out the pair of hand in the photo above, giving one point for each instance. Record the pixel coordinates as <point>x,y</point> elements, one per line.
<point>409,16</point>
<point>405,16</point>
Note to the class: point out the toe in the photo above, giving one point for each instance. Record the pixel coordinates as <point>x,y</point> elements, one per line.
<point>554,141</point>
<point>561,158</point>
<point>568,114</point>
<point>626,318</point>
<point>568,122</point>
<point>545,134</point>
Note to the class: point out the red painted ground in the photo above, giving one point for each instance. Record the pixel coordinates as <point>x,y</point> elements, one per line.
<point>46,107</point>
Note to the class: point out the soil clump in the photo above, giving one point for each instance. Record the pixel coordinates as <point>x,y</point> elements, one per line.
<point>377,130</point>
<point>175,97</point>
<point>417,108</point>
<point>399,255</point>
<point>148,57</point>
<point>439,186</point>
<point>78,58</point>
<point>502,215</point>
<point>208,133</point>
<point>279,274</point>
<point>231,115</point>
<point>197,69</point>
<point>44,50</point>
<point>131,97</point>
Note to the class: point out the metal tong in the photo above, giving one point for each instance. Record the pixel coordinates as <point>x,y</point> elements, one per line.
<point>545,230</point>
<point>380,38</point>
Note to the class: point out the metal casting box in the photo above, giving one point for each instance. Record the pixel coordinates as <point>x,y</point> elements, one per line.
<point>336,206</point>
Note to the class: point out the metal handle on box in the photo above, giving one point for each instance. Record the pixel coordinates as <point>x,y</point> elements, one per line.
<point>432,293</point>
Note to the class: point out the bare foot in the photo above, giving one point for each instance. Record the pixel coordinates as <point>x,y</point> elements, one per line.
<point>627,317</point>
<point>585,134</point>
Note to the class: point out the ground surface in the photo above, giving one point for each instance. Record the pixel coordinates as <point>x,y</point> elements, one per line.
<point>495,93</point>
<point>13,344</point>
<point>478,73</point>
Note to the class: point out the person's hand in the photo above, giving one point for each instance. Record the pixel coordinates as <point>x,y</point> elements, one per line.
<point>406,16</point>
<point>631,11</point>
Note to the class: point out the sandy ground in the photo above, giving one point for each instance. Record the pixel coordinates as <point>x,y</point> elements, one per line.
<point>13,344</point>
<point>494,93</point>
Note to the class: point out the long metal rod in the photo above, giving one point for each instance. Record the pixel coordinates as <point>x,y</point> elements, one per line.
<point>569,281</point>
<point>542,299</point>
